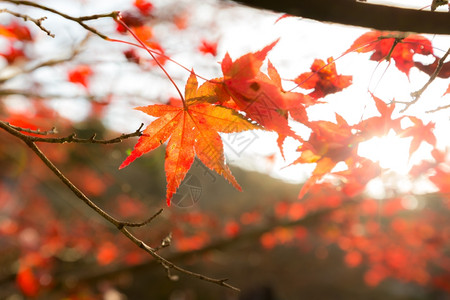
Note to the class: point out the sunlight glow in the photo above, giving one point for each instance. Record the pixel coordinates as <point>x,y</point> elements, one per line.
<point>390,151</point>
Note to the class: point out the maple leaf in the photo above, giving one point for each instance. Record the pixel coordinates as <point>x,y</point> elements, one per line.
<point>420,133</point>
<point>16,31</point>
<point>447,91</point>
<point>431,68</point>
<point>323,78</point>
<point>380,126</point>
<point>144,6</point>
<point>13,55</point>
<point>328,144</point>
<point>208,48</point>
<point>192,129</point>
<point>441,179</point>
<point>387,45</point>
<point>255,93</point>
<point>80,75</point>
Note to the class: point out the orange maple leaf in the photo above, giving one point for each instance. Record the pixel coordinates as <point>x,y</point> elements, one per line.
<point>323,78</point>
<point>192,129</point>
<point>328,144</point>
<point>258,95</point>
<point>387,45</point>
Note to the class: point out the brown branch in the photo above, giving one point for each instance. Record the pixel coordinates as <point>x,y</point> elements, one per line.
<point>38,22</point>
<point>73,138</point>
<point>141,224</point>
<point>79,20</point>
<point>417,94</point>
<point>121,226</point>
<point>37,131</point>
<point>363,14</point>
<point>438,109</point>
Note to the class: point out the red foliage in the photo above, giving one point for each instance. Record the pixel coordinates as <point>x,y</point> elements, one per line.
<point>208,47</point>
<point>81,75</point>
<point>387,45</point>
<point>323,78</point>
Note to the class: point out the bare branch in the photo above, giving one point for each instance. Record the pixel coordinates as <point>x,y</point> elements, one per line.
<point>38,22</point>
<point>38,131</point>
<point>439,108</point>
<point>73,138</point>
<point>130,224</point>
<point>118,224</point>
<point>79,20</point>
<point>417,94</point>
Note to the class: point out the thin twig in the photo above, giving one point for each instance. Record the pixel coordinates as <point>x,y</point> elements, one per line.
<point>417,94</point>
<point>118,224</point>
<point>130,224</point>
<point>437,109</point>
<point>79,20</point>
<point>38,22</point>
<point>37,131</point>
<point>74,139</point>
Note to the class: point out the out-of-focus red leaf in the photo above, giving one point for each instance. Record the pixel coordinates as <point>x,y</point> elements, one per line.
<point>13,55</point>
<point>380,126</point>
<point>420,133</point>
<point>107,253</point>
<point>447,91</point>
<point>232,229</point>
<point>16,31</point>
<point>353,259</point>
<point>441,179</point>
<point>144,6</point>
<point>131,19</point>
<point>27,282</point>
<point>81,75</point>
<point>181,20</point>
<point>208,47</point>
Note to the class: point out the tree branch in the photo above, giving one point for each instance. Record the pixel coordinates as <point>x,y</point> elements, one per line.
<point>352,12</point>
<point>79,20</point>
<point>70,138</point>
<point>38,22</point>
<point>417,94</point>
<point>121,226</point>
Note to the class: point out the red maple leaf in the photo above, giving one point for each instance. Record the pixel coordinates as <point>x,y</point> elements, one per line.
<point>431,68</point>
<point>13,55</point>
<point>387,45</point>
<point>27,282</point>
<point>323,78</point>
<point>255,93</point>
<point>193,130</point>
<point>144,6</point>
<point>80,75</point>
<point>16,31</point>
<point>328,144</point>
<point>208,47</point>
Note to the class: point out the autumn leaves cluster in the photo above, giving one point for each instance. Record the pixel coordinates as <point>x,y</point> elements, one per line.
<point>246,98</point>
